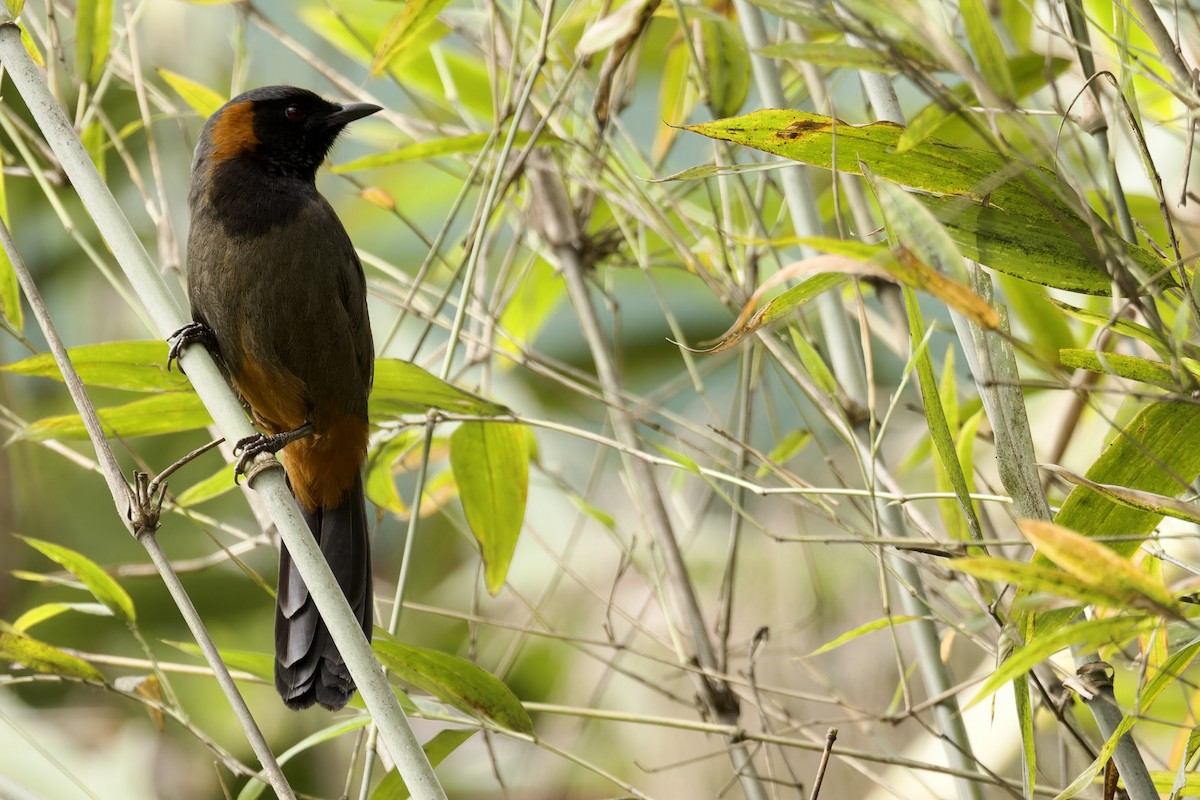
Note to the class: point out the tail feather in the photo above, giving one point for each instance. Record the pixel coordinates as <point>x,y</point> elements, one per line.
<point>308,667</point>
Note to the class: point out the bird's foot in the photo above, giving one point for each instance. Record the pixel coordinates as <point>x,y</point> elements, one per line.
<point>251,447</point>
<point>192,333</point>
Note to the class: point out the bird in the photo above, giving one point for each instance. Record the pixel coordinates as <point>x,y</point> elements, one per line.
<point>278,296</point>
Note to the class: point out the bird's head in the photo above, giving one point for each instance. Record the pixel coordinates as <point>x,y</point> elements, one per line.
<point>283,130</point>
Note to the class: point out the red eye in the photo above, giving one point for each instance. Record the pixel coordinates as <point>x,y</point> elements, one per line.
<point>293,114</point>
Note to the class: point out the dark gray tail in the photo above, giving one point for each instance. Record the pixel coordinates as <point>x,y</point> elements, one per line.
<point>308,667</point>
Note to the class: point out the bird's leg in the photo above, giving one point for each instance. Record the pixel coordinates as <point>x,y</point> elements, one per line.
<point>252,446</point>
<point>192,333</point>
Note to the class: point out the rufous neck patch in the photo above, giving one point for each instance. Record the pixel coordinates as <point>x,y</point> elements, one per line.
<point>233,135</point>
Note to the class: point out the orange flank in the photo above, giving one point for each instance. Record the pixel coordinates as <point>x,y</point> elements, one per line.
<point>233,134</point>
<point>322,468</point>
<point>277,396</point>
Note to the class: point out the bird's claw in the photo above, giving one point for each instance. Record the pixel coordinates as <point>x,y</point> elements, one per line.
<point>250,447</point>
<point>192,333</point>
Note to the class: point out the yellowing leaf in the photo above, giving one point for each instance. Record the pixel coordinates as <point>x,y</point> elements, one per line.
<point>214,485</point>
<point>136,366</point>
<point>10,289</point>
<point>93,31</point>
<point>1097,565</point>
<point>437,148</point>
<point>724,63</point>
<point>378,197</point>
<point>404,28</point>
<point>44,658</point>
<point>32,49</point>
<point>436,749</point>
<point>167,412</point>
<point>201,99</point>
<point>102,585</point>
<point>869,627</point>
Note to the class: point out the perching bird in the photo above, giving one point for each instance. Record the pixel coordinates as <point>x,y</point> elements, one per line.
<point>278,293</point>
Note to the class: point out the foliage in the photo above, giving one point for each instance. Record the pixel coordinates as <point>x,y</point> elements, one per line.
<point>718,403</point>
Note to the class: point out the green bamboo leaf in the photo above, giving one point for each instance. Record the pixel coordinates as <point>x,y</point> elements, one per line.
<point>1154,373</point>
<point>260,665</point>
<point>39,614</point>
<point>10,289</point>
<point>420,73</point>
<point>788,447</point>
<point>47,659</point>
<point>52,580</point>
<point>169,412</point>
<point>1166,781</point>
<point>102,585</point>
<point>814,21</point>
<point>595,512</point>
<point>404,388</point>
<point>255,787</point>
<point>214,485</point>
<point>380,483</point>
<point>716,170</point>
<point>201,99</point>
<point>677,97</point>
<point>987,49</point>
<point>839,55</point>
<point>814,364</point>
<point>1097,565</point>
<point>136,366</point>
<point>1047,329</point>
<point>535,295</point>
<point>797,296</point>
<point>337,30</point>
<point>935,166</point>
<point>490,461</point>
<point>861,630</point>
<point>1166,674</point>
<point>437,148</point>
<point>455,681</point>
<point>31,48</point>
<point>935,417</point>
<point>95,142</point>
<point>1024,707</point>
<point>436,749</point>
<point>1120,325</point>
<point>404,29</point>
<point>15,7</point>
<point>93,31</point>
<point>1086,635</point>
<point>1056,252</point>
<point>725,64</point>
<point>1000,212</point>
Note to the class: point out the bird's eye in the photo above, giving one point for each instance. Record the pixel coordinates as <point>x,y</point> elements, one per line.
<point>293,114</point>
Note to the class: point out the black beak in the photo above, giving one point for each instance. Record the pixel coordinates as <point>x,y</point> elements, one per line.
<point>350,112</point>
